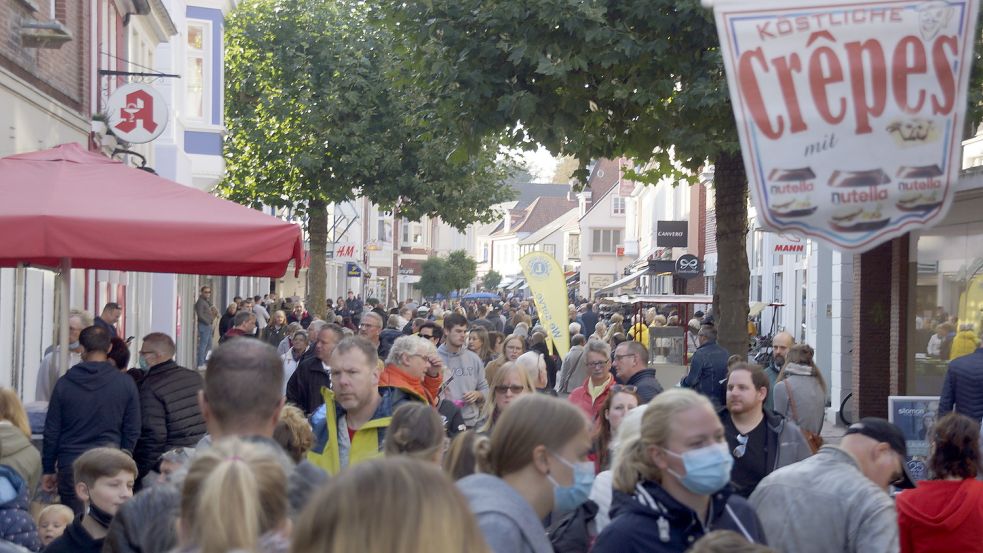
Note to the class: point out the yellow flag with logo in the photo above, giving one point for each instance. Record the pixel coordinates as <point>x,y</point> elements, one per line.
<point>549,290</point>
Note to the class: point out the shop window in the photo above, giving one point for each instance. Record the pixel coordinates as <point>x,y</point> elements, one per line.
<point>946,300</point>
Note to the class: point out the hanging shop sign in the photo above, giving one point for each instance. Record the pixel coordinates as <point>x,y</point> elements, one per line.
<point>353,270</point>
<point>687,266</point>
<point>672,234</point>
<point>137,113</point>
<point>850,114</point>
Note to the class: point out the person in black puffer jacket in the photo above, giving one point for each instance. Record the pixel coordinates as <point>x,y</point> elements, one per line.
<point>16,524</point>
<point>168,404</point>
<point>677,473</point>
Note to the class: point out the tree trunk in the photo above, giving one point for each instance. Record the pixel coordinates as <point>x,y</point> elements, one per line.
<point>730,300</point>
<point>317,230</point>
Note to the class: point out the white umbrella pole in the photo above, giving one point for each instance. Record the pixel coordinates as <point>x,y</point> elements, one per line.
<point>66,279</point>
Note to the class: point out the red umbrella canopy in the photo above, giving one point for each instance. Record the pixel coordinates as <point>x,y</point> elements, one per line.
<point>67,202</point>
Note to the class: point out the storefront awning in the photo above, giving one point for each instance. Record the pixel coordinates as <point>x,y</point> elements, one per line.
<point>517,284</point>
<point>623,282</point>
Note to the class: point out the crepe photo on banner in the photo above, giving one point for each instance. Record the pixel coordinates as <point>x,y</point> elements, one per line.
<point>850,114</point>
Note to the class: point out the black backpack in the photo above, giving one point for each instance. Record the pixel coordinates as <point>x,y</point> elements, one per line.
<point>571,534</point>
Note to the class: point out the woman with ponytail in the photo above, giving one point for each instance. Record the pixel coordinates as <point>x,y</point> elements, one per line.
<point>535,463</point>
<point>677,470</point>
<point>235,499</point>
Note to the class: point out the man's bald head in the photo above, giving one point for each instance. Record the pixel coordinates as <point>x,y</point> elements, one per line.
<point>780,345</point>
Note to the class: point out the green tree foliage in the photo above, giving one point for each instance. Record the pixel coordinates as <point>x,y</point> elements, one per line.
<point>491,281</point>
<point>432,277</point>
<point>634,78</point>
<point>461,270</point>
<point>319,109</point>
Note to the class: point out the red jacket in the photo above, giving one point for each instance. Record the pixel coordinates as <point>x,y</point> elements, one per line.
<point>581,398</point>
<point>942,515</point>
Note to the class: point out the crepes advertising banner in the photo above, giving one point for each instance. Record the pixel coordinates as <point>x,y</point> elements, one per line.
<point>850,114</point>
<point>549,290</point>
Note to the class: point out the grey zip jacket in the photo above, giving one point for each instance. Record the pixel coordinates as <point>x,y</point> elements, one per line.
<point>824,504</point>
<point>508,523</point>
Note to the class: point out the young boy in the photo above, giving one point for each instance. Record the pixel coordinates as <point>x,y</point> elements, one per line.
<point>52,521</point>
<point>103,481</point>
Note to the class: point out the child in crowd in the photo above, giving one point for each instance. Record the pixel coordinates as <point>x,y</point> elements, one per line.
<point>52,521</point>
<point>103,481</point>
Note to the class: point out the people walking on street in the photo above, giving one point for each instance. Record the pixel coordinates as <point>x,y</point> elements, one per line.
<point>965,342</point>
<point>837,500</point>
<point>478,343</point>
<point>351,425</point>
<point>52,522</point>
<point>759,440</point>
<point>573,368</point>
<point>243,326</point>
<point>370,329</point>
<point>227,320</point>
<point>276,330</point>
<point>536,464</point>
<point>677,472</point>
<point>107,320</point>
<point>300,315</point>
<point>602,492</point>
<point>944,513</point>
<point>416,431</point>
<point>630,362</point>
<point>511,382</point>
<point>621,400</point>
<point>780,345</point>
<point>314,373</point>
<point>346,515</point>
<point>234,498</point>
<point>205,314</point>
<point>800,394</point>
<point>593,393</point>
<point>93,405</point>
<point>16,524</point>
<point>16,449</point>
<point>962,387</point>
<point>294,433</point>
<point>708,368</point>
<point>170,414</point>
<point>104,481</point>
<point>464,373</point>
<point>243,397</point>
<point>414,365</point>
<point>262,314</point>
<point>512,348</point>
<point>49,372</point>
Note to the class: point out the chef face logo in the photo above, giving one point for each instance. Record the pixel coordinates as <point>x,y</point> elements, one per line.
<point>139,108</point>
<point>932,17</point>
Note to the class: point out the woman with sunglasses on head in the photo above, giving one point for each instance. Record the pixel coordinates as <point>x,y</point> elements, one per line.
<point>677,470</point>
<point>510,382</point>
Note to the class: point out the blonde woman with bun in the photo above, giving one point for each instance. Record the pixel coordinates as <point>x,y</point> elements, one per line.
<point>390,505</point>
<point>235,498</point>
<point>536,463</point>
<point>678,470</point>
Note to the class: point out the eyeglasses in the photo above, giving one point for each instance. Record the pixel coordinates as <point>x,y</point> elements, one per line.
<point>367,325</point>
<point>625,355</point>
<point>596,364</point>
<point>618,388</point>
<point>741,449</point>
<point>515,388</point>
<point>428,336</point>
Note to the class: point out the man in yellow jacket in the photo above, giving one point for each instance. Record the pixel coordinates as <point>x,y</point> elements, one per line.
<point>351,425</point>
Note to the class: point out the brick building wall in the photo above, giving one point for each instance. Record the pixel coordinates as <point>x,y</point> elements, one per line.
<point>62,73</point>
<point>880,315</point>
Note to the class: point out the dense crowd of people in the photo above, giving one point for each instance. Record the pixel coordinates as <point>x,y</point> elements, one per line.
<point>458,427</point>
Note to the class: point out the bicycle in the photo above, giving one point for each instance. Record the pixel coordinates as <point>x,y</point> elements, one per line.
<point>841,414</point>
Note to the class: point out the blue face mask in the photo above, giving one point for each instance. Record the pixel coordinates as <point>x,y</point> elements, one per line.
<point>707,468</point>
<point>142,363</point>
<point>568,498</point>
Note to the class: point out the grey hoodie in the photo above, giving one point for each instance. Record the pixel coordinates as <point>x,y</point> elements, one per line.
<point>507,521</point>
<point>464,373</point>
<point>810,398</point>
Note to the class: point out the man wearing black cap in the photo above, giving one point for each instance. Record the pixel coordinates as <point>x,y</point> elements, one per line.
<point>837,500</point>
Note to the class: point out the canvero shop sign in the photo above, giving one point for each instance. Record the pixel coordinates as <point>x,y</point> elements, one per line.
<point>850,114</point>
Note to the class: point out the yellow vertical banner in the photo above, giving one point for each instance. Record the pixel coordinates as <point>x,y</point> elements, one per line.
<point>549,291</point>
